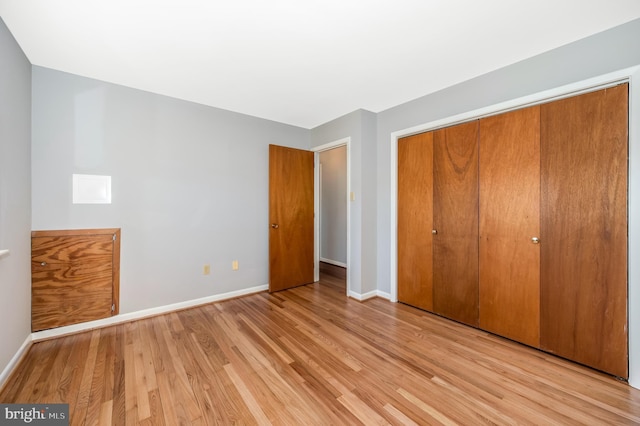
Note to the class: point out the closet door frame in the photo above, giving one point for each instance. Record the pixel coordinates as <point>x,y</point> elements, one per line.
<point>630,75</point>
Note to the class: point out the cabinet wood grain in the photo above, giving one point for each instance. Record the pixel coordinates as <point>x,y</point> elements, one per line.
<point>74,276</point>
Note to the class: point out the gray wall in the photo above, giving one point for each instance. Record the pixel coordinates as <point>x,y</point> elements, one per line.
<point>607,52</point>
<point>15,196</point>
<point>333,206</point>
<point>368,126</point>
<point>359,126</point>
<point>189,184</point>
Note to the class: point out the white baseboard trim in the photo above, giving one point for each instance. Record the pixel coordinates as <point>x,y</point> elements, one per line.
<point>384,295</point>
<point>369,295</point>
<point>333,262</point>
<point>145,313</point>
<point>4,376</point>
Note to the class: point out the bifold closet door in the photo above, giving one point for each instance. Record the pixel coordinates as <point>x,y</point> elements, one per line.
<point>455,222</point>
<point>584,150</point>
<point>415,219</point>
<point>510,225</point>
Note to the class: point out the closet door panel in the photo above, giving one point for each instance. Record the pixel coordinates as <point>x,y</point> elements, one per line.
<point>455,216</point>
<point>509,219</point>
<point>415,218</point>
<point>584,149</point>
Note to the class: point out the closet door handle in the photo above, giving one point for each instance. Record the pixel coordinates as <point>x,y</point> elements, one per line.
<point>434,231</point>
<point>535,240</point>
<point>274,225</point>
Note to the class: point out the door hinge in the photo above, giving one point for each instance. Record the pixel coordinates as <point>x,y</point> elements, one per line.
<point>113,307</point>
<point>114,237</point>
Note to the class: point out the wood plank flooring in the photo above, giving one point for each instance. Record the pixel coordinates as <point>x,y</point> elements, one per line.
<point>311,356</point>
<point>334,271</point>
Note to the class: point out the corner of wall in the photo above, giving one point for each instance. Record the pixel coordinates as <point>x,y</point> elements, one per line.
<point>15,209</point>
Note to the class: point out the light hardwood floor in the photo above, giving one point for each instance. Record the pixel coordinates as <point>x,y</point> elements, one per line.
<point>312,356</point>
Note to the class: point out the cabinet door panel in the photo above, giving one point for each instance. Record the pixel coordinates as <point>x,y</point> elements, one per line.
<point>415,219</point>
<point>73,278</point>
<point>509,219</point>
<point>455,214</point>
<point>584,148</point>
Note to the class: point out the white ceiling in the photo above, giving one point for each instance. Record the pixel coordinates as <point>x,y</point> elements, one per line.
<point>301,62</point>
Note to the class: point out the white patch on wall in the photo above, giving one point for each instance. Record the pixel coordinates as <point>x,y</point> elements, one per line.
<point>91,189</point>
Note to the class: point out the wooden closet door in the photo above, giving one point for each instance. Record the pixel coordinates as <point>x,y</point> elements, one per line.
<point>455,214</point>
<point>584,149</point>
<point>415,220</point>
<point>509,219</point>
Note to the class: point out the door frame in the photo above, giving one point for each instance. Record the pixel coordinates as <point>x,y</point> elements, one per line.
<point>316,205</point>
<point>630,75</point>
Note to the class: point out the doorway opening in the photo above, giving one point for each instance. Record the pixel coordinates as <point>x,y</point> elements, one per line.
<point>332,241</point>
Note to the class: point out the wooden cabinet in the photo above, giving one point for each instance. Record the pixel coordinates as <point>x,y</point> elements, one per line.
<point>74,276</point>
<point>530,213</point>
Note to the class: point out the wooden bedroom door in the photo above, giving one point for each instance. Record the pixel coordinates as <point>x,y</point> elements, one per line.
<point>291,217</point>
